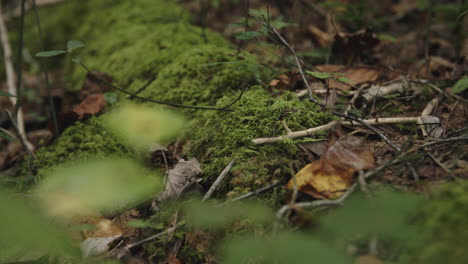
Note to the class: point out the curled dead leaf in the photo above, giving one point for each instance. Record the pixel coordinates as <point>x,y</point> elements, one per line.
<point>92,105</point>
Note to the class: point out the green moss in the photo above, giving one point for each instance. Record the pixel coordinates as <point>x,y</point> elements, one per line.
<point>136,53</point>
<point>218,137</point>
<point>202,75</point>
<point>444,226</point>
<point>82,141</point>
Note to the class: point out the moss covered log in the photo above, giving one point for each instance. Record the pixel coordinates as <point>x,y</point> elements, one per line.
<point>135,42</point>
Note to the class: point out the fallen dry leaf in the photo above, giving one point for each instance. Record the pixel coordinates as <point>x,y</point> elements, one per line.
<point>92,105</point>
<point>329,177</point>
<point>358,75</point>
<point>183,173</point>
<point>286,81</point>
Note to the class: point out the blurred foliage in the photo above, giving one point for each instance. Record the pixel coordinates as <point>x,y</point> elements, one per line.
<point>85,140</point>
<point>26,233</point>
<point>281,248</point>
<point>383,214</point>
<point>443,226</point>
<point>210,217</point>
<point>143,126</point>
<point>100,186</point>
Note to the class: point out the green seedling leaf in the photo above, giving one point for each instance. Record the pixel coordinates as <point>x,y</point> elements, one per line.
<point>74,44</point>
<point>76,60</point>
<point>242,23</point>
<point>7,136</point>
<point>2,93</point>
<point>50,53</point>
<point>461,85</point>
<point>386,37</point>
<point>258,13</point>
<point>144,126</point>
<point>345,80</point>
<point>320,75</point>
<point>249,35</point>
<point>392,96</point>
<point>79,189</point>
<point>279,23</point>
<point>110,97</point>
<point>355,112</point>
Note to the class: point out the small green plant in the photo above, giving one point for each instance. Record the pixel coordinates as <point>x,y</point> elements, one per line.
<point>461,85</point>
<point>331,76</point>
<point>2,93</point>
<point>72,45</point>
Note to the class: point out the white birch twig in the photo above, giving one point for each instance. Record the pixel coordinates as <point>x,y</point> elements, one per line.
<point>310,131</point>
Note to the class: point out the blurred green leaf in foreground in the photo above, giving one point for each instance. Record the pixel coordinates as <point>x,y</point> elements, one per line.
<point>143,126</point>
<point>102,186</point>
<point>26,233</point>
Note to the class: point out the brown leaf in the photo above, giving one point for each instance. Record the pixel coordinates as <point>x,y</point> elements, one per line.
<point>329,177</point>
<point>286,81</point>
<point>92,105</point>
<point>358,75</point>
<point>318,148</point>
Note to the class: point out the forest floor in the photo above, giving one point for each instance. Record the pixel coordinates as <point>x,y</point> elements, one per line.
<point>388,82</point>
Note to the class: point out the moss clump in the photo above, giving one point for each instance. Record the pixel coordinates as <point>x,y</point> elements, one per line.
<point>135,53</point>
<point>444,226</point>
<point>202,75</point>
<point>82,141</point>
<point>218,137</point>
<point>136,41</point>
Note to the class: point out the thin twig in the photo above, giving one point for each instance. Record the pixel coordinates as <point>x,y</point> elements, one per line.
<point>316,101</point>
<point>19,64</point>
<point>45,71</point>
<point>317,203</point>
<point>252,193</point>
<point>438,162</point>
<point>298,63</point>
<point>310,131</point>
<point>219,180</point>
<point>363,183</point>
<point>17,117</point>
<point>26,145</point>
<point>157,101</point>
<point>9,69</point>
<point>444,140</point>
<point>439,90</point>
<point>427,37</point>
<point>149,239</point>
